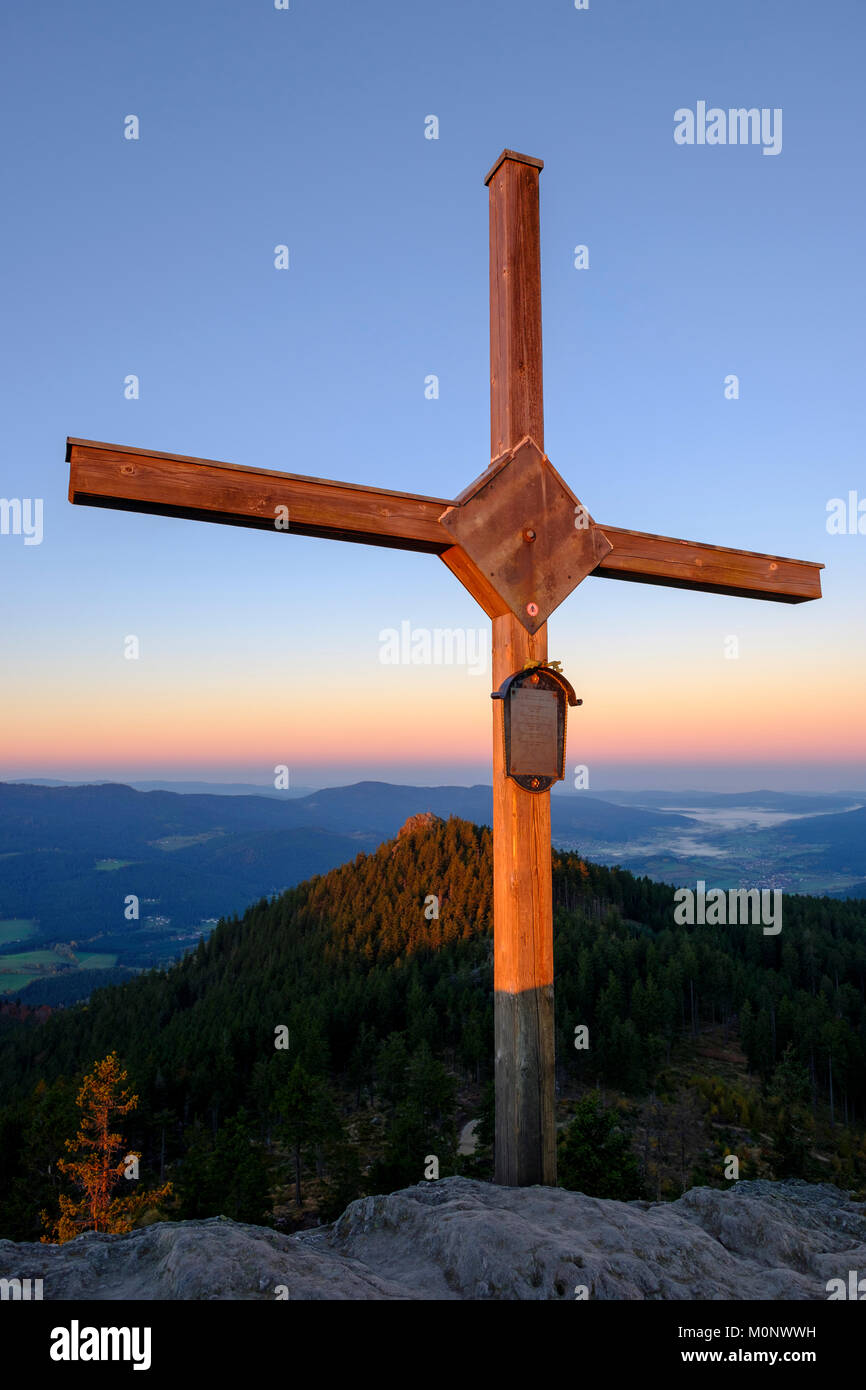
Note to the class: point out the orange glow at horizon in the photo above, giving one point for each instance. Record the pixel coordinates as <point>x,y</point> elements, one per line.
<point>744,714</point>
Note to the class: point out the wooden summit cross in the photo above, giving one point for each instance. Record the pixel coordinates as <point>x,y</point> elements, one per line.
<point>520,542</point>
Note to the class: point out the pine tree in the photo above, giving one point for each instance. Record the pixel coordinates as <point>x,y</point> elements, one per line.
<point>345,1180</point>
<point>236,1178</point>
<point>595,1156</point>
<point>307,1116</point>
<point>97,1170</point>
<point>792,1126</point>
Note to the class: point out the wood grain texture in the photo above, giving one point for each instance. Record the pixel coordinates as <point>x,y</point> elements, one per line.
<point>516,390</point>
<point>524,1077</point>
<point>145,480</point>
<point>105,475</point>
<point>517,523</point>
<point>525,1135</point>
<point>714,569</point>
<point>523,1030</point>
<point>522,894</point>
<point>475,581</point>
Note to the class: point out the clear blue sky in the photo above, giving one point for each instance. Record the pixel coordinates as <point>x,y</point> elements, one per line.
<point>306,127</point>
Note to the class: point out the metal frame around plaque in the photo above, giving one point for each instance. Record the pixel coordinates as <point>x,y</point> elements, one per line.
<point>536,678</point>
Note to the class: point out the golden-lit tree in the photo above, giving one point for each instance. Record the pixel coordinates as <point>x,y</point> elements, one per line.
<point>97,1168</point>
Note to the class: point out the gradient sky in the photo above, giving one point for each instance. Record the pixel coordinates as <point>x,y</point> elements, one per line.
<point>306,127</point>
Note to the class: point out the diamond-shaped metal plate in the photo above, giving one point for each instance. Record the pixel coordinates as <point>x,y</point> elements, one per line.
<point>527,532</point>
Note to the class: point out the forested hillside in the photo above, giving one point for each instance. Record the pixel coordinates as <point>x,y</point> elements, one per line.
<point>135,877</point>
<point>703,1041</point>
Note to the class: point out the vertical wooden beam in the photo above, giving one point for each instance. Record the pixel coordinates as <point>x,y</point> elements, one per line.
<point>525,1147</point>
<point>516,393</point>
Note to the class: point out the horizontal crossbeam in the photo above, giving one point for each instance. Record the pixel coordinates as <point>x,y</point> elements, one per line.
<point>714,569</point>
<point>127,479</point>
<point>140,480</point>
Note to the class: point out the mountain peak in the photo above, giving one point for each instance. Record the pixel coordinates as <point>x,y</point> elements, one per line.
<point>422,820</point>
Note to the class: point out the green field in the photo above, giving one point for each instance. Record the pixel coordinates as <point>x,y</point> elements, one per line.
<point>17,969</point>
<point>13,984</point>
<point>173,842</point>
<point>16,929</point>
<point>24,958</point>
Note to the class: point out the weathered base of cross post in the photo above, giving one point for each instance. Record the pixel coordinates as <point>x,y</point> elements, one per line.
<point>525,1142</point>
<point>525,1149</point>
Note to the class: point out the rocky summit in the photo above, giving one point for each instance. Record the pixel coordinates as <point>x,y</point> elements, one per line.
<point>458,1239</point>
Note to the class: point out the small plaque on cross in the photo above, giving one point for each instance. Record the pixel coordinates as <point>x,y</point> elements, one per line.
<point>534,732</point>
<point>534,708</point>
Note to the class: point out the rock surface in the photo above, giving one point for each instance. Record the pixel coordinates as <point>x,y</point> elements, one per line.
<point>458,1239</point>
<point>422,820</point>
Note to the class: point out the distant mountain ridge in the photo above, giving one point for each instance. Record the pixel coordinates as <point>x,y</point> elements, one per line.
<point>72,856</point>
<point>123,820</point>
<point>169,785</point>
<point>844,848</point>
<point>795,802</point>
